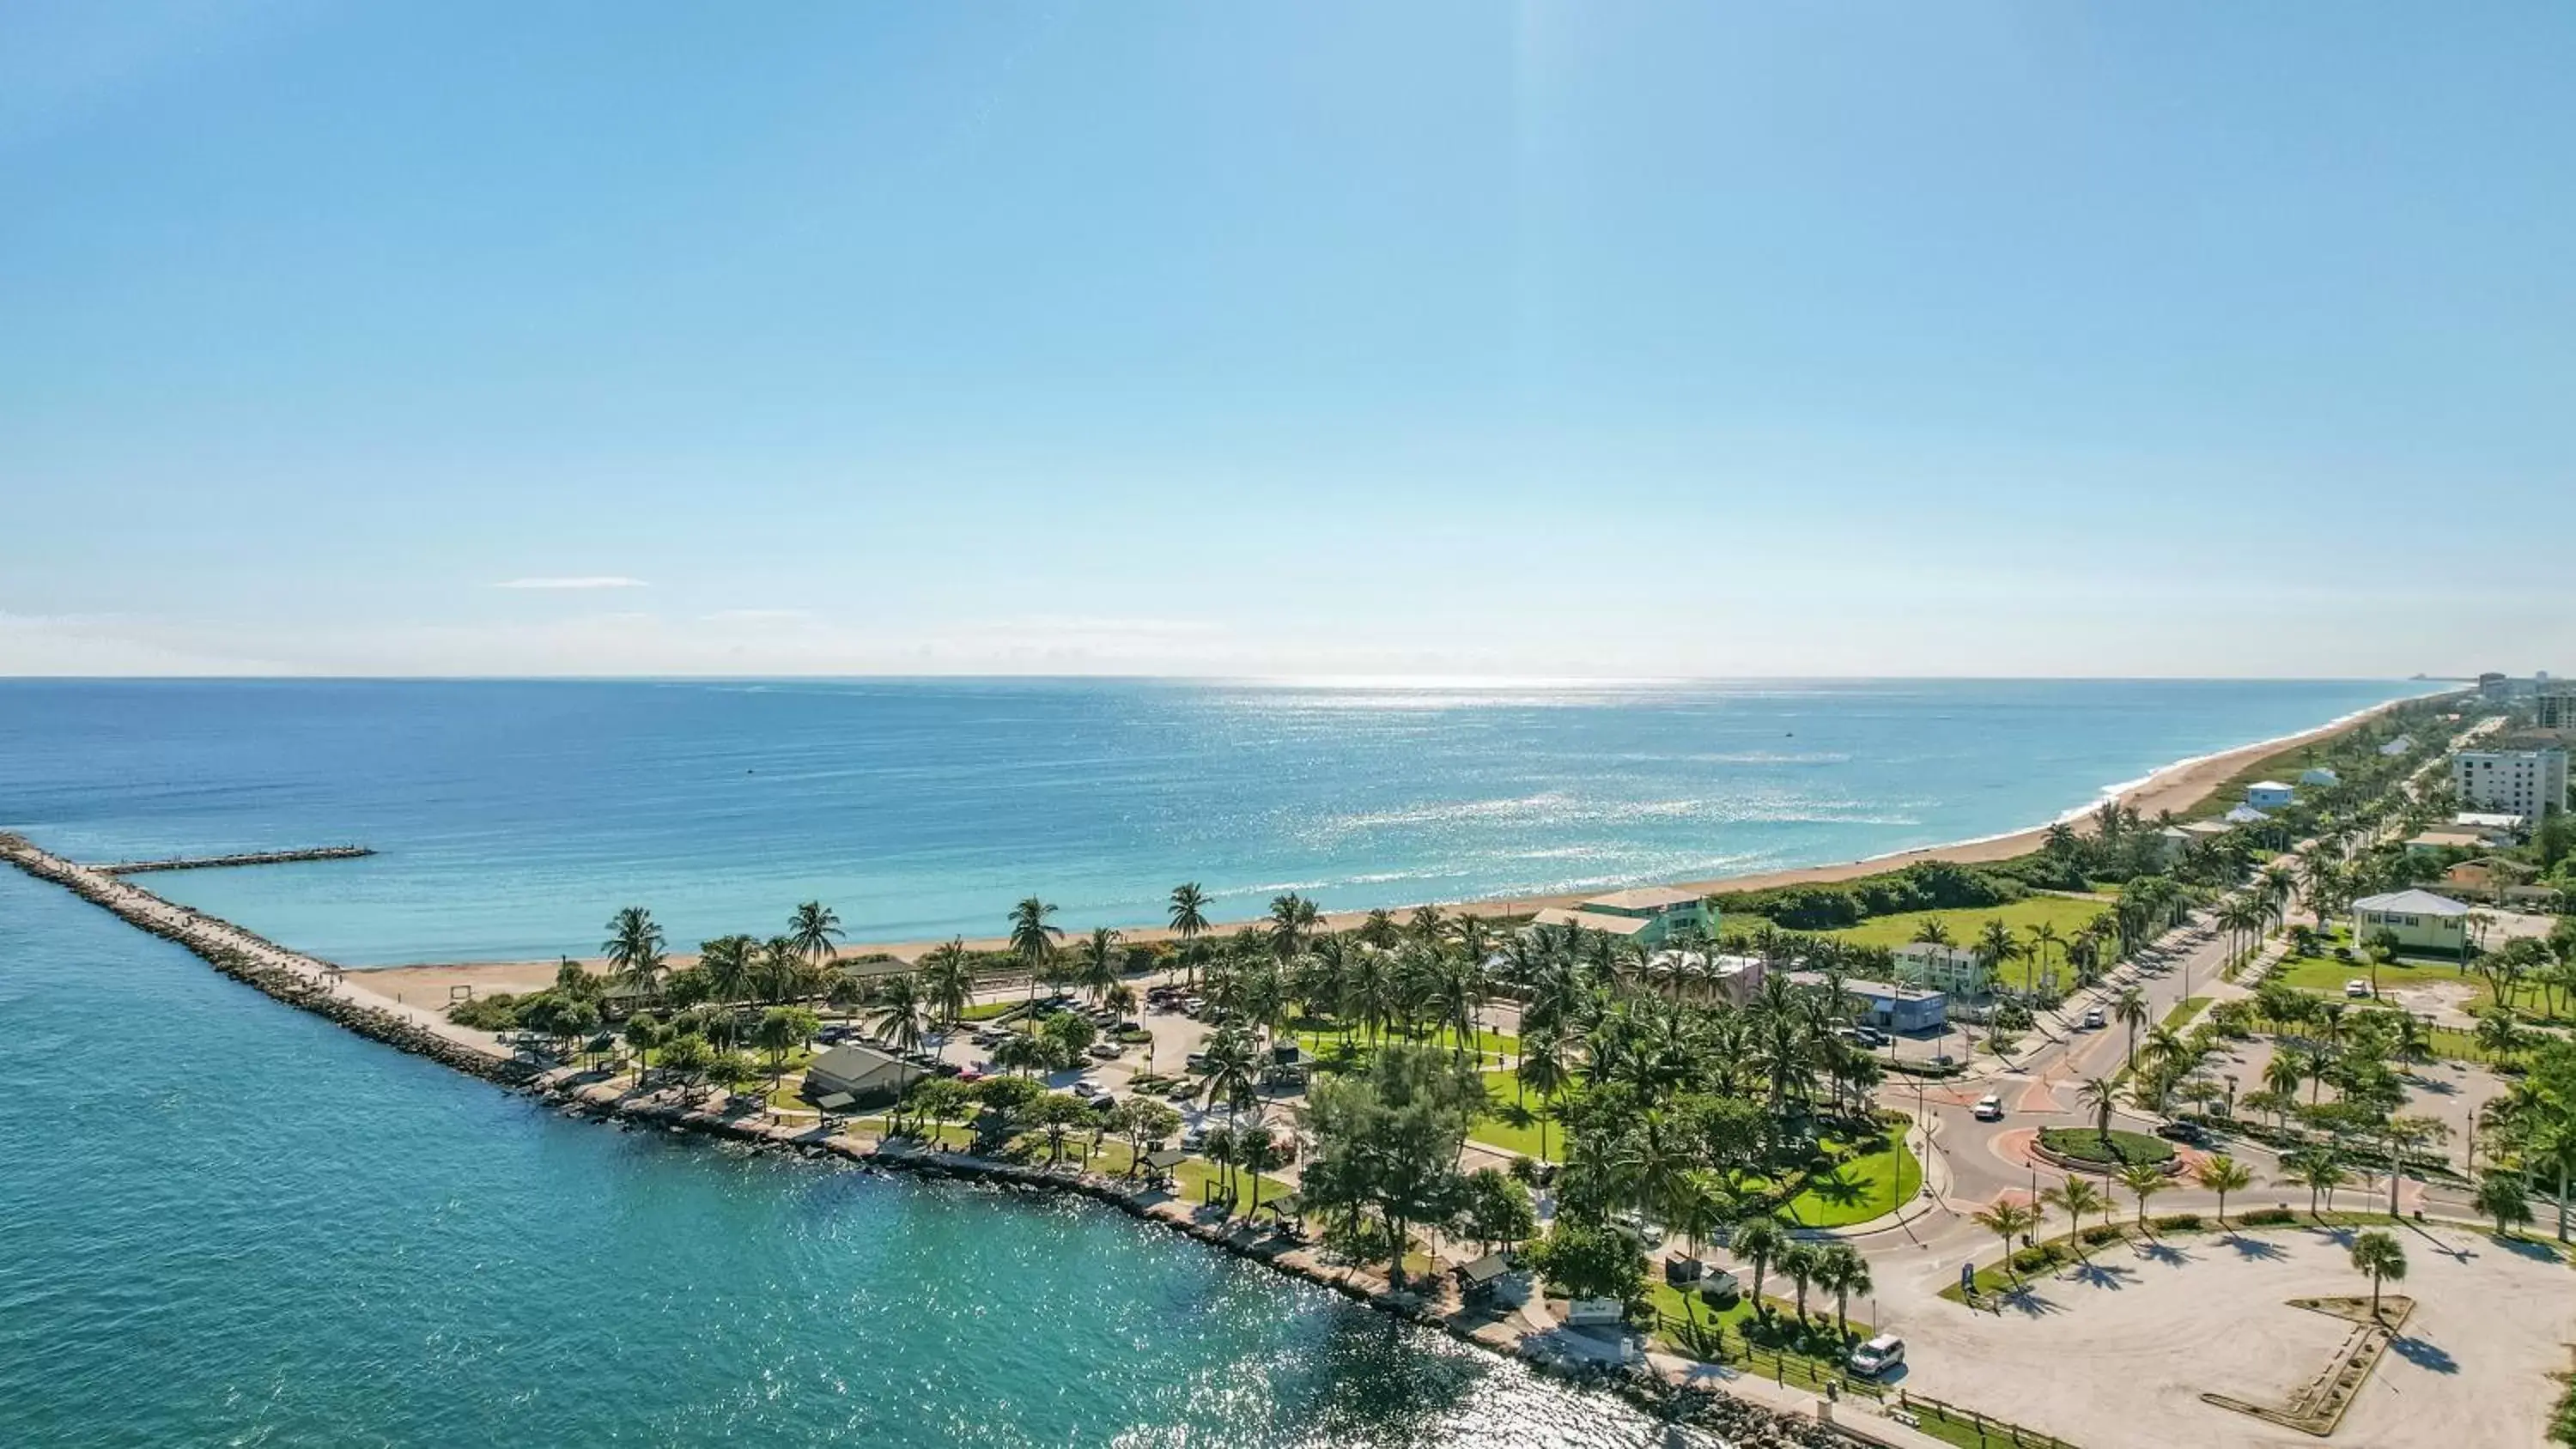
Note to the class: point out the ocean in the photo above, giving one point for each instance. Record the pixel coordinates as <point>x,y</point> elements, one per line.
<point>512,818</point>
<point>226,1222</point>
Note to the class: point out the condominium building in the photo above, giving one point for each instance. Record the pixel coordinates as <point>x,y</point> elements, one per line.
<point>2529,782</point>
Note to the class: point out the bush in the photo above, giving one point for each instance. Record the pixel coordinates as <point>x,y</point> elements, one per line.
<point>2266,1217</point>
<point>2032,1260</point>
<point>2100,1233</point>
<point>497,1012</point>
<point>2083,1144</point>
<point>2183,1222</point>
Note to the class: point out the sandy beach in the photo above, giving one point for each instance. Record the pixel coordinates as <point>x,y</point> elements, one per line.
<point>2176,787</point>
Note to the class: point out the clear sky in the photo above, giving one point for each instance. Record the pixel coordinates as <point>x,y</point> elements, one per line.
<point>1600,338</point>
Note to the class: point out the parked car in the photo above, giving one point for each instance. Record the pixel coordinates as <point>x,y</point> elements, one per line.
<point>1870,1036</point>
<point>1086,1090</point>
<point>2094,1020</point>
<point>2190,1132</point>
<point>1990,1108</point>
<point>1878,1355</point>
<point>1107,1051</point>
<point>2356,988</point>
<point>1194,1140</point>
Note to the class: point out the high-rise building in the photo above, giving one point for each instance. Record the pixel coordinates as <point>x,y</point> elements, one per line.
<point>2528,782</point>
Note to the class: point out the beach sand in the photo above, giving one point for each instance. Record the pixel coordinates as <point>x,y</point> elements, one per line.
<point>2175,788</point>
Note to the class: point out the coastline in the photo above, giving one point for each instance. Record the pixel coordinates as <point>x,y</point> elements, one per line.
<point>311,984</point>
<point>2175,787</point>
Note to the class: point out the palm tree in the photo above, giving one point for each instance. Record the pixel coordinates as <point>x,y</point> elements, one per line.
<point>1758,1240</point>
<point>1033,939</point>
<point>634,948</point>
<point>813,929</point>
<point>2144,1180</point>
<point>1842,1271</point>
<point>2130,1010</point>
<point>2100,1097</point>
<point>1995,945</point>
<point>726,967</point>
<point>1189,919</point>
<point>2075,1197</point>
<point>2318,1170</point>
<point>1932,932</point>
<point>948,980</point>
<point>1099,962</point>
<point>1292,919</point>
<point>2007,1220</point>
<point>2222,1175</point>
<point>1801,1260</point>
<point>1542,1070</point>
<point>898,1020</point>
<point>2379,1256</point>
<point>2043,937</point>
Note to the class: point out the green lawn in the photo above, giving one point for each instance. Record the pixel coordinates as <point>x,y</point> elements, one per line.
<point>1863,1188</point>
<point>1674,1317</point>
<point>1496,1129</point>
<point>2325,976</point>
<point>2067,913</point>
<point>2184,1010</point>
<point>987,1010</point>
<point>1321,1038</point>
<point>2083,1144</point>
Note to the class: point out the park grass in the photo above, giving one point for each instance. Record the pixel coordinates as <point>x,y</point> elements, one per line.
<point>987,1010</point>
<point>1322,1038</point>
<point>2067,913</point>
<point>1874,1184</point>
<point>1496,1127</point>
<point>1673,1332</point>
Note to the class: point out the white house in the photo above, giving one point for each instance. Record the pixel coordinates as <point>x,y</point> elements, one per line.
<point>2421,921</point>
<point>2319,775</point>
<point>2268,795</point>
<point>1954,969</point>
<point>2245,814</point>
<point>2397,746</point>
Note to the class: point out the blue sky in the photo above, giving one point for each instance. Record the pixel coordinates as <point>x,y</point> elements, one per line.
<point>1342,338</point>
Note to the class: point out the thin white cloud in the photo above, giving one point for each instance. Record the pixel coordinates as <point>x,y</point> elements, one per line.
<point>754,616</point>
<point>576,581</point>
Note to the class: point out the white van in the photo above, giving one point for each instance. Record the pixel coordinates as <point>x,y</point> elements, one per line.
<point>1878,1355</point>
<point>1990,1108</point>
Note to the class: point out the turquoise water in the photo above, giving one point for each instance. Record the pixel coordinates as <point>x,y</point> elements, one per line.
<point>514,817</point>
<point>226,1222</point>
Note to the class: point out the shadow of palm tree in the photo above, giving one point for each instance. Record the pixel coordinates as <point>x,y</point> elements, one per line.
<point>2525,1248</point>
<point>2031,1305</point>
<point>2160,1251</point>
<point>2103,1275</point>
<point>2261,1250</point>
<point>2431,1357</point>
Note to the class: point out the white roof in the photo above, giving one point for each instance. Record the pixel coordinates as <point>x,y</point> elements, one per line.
<point>2487,819</point>
<point>2266,785</point>
<point>2245,815</point>
<point>1643,898</point>
<point>2216,827</point>
<point>2411,903</point>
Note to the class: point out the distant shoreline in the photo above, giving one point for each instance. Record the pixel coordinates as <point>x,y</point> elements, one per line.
<point>2175,787</point>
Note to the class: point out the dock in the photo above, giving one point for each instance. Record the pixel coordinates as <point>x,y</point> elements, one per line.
<point>250,857</point>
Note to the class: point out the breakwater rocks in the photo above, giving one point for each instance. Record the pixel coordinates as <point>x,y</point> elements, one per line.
<point>299,981</point>
<point>248,857</point>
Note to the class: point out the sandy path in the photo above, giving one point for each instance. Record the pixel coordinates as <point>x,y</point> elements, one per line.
<point>2176,788</point>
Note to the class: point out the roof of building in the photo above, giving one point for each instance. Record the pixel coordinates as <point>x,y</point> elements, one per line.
<point>2488,820</point>
<point>1643,898</point>
<point>2446,839</point>
<point>2398,746</point>
<point>2318,775</point>
<point>2244,815</point>
<point>1590,921</point>
<point>1913,949</point>
<point>2265,785</point>
<point>2206,828</point>
<point>852,1066</point>
<point>2411,903</point>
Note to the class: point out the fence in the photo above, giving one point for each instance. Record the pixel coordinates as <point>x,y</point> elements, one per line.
<point>1920,1411</point>
<point>1709,1341</point>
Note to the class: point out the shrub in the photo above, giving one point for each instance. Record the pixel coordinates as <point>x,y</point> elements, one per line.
<point>2100,1233</point>
<point>2183,1222</point>
<point>2270,1216</point>
<point>2032,1260</point>
<point>497,1012</point>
